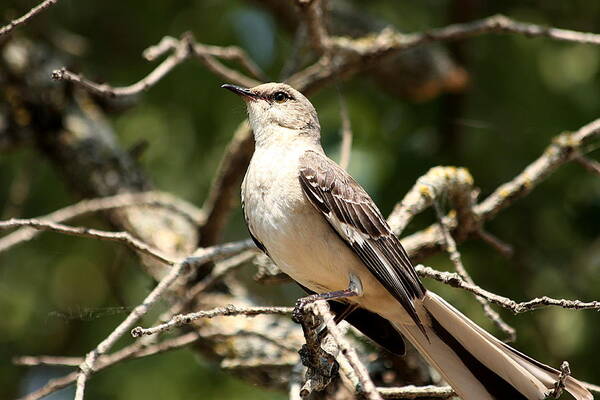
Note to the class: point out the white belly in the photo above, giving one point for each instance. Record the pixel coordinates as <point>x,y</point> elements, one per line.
<point>297,237</point>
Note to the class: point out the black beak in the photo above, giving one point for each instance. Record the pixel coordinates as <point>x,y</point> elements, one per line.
<point>239,90</point>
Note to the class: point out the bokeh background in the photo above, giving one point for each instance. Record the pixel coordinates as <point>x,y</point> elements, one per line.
<point>61,295</point>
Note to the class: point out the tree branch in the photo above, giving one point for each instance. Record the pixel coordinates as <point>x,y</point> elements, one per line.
<point>200,257</point>
<point>5,30</point>
<point>455,280</point>
<point>226,311</point>
<point>159,199</point>
<point>181,50</point>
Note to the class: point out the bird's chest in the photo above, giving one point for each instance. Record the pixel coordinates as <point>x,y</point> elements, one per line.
<point>294,234</point>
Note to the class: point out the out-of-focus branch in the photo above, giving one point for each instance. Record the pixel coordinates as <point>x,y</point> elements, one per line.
<point>181,50</point>
<point>5,30</point>
<point>312,10</point>
<point>200,257</point>
<point>591,165</point>
<point>122,237</point>
<point>158,199</point>
<point>226,183</point>
<point>226,311</point>
<point>348,56</point>
<point>437,182</point>
<point>232,53</point>
<point>563,149</point>
<point>455,280</point>
<point>417,392</point>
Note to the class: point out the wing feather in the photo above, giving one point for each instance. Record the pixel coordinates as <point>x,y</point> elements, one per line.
<point>357,220</point>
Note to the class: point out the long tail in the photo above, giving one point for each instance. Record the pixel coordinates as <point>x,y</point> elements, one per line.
<point>476,364</point>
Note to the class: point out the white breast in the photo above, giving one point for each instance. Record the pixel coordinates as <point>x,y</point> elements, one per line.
<point>296,236</point>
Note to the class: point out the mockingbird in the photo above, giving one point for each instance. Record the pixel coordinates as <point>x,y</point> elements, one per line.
<point>323,230</point>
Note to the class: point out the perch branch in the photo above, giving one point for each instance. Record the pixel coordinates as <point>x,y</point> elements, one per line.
<point>591,165</point>
<point>5,30</point>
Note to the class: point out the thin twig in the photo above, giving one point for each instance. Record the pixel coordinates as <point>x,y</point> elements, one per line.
<point>563,149</point>
<point>25,18</point>
<point>46,360</point>
<point>226,311</point>
<point>135,350</point>
<point>181,50</point>
<point>200,257</point>
<point>417,392</point>
<point>591,165</point>
<point>348,56</point>
<point>122,237</point>
<point>502,247</point>
<point>456,259</point>
<point>158,199</point>
<point>455,280</point>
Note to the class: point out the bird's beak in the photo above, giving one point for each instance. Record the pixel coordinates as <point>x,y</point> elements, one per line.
<point>245,93</point>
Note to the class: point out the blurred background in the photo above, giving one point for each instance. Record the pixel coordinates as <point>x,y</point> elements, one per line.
<point>490,104</point>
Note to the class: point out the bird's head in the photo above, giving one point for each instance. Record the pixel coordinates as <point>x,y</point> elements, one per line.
<point>277,109</point>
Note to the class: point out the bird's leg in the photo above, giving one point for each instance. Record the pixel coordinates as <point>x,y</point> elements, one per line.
<point>354,289</point>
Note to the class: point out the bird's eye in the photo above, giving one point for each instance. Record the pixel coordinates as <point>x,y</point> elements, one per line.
<point>280,97</point>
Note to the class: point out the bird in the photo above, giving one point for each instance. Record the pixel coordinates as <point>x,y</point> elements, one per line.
<point>320,227</point>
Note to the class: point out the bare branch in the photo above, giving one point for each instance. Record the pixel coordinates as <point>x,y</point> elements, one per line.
<point>181,53</point>
<point>201,256</point>
<point>122,237</point>
<point>563,149</point>
<point>502,247</point>
<point>455,280</point>
<point>417,392</point>
<point>5,30</point>
<point>158,199</point>
<point>46,360</point>
<point>226,183</point>
<point>367,387</point>
<point>438,181</point>
<point>230,310</point>
<point>559,385</point>
<point>591,165</point>
<point>456,259</point>
<point>181,50</point>
<point>348,56</point>
<point>312,11</point>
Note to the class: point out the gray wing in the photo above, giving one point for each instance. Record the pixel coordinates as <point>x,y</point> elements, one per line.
<point>357,220</point>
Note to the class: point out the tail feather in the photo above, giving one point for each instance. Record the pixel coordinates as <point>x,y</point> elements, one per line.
<point>476,364</point>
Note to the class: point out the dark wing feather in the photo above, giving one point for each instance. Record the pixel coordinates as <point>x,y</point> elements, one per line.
<point>357,220</point>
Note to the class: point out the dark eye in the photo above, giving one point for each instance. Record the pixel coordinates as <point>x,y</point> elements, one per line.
<point>280,97</point>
